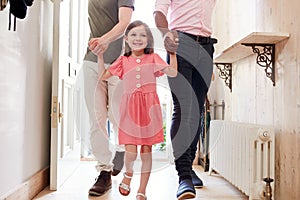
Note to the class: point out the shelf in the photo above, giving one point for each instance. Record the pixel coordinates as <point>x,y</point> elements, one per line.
<point>238,51</point>
<point>261,43</point>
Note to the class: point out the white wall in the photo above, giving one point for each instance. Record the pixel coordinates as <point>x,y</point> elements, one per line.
<point>253,98</point>
<point>25,86</point>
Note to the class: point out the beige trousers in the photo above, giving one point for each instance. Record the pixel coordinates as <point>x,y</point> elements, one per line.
<point>100,101</point>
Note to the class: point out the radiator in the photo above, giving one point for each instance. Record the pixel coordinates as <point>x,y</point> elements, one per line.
<point>243,154</point>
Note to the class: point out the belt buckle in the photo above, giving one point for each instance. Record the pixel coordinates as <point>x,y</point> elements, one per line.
<point>198,38</point>
<point>201,39</point>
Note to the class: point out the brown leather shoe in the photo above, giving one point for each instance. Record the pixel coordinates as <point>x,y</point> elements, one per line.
<point>102,184</point>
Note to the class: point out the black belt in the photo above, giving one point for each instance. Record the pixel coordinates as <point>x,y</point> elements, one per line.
<point>201,39</point>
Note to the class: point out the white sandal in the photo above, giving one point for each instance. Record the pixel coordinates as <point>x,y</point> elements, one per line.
<point>125,186</point>
<point>142,195</point>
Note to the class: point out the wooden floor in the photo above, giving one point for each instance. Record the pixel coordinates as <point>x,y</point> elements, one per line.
<point>162,186</point>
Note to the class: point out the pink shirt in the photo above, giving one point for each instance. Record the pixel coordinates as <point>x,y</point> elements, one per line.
<point>190,16</point>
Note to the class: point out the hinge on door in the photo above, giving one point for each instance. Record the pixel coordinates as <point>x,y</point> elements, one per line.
<point>54,112</point>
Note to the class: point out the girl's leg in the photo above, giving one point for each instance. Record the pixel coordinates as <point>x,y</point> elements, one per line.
<point>146,157</point>
<point>129,158</point>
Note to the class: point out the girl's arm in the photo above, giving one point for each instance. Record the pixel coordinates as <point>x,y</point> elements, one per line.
<point>172,69</point>
<point>106,74</point>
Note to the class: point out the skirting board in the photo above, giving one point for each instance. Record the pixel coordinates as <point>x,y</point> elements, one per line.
<point>30,188</point>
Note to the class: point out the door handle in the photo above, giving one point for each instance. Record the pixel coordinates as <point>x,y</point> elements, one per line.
<point>60,114</point>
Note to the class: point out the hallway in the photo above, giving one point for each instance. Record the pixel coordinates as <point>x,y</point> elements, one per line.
<point>162,186</point>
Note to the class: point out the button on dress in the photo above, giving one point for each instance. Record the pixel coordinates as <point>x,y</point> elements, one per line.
<point>140,110</point>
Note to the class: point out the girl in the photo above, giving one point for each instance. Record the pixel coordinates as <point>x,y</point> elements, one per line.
<point>140,112</point>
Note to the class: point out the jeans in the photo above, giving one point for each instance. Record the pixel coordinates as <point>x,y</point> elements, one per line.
<point>189,89</point>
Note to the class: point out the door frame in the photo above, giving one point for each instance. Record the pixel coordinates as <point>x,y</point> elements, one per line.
<point>65,141</point>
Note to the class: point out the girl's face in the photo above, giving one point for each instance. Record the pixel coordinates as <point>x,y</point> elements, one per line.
<point>137,38</point>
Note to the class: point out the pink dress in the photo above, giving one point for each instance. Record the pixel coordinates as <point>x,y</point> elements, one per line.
<point>140,111</point>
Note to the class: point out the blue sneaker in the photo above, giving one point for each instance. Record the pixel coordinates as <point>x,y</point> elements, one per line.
<point>186,190</point>
<point>196,180</point>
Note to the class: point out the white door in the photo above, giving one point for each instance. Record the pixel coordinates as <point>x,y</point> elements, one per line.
<point>65,140</point>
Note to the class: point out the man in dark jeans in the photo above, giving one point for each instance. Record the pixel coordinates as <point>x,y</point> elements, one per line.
<point>189,34</point>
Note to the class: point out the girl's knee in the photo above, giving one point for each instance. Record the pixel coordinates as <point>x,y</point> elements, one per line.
<point>130,156</point>
<point>146,149</point>
<point>146,153</point>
